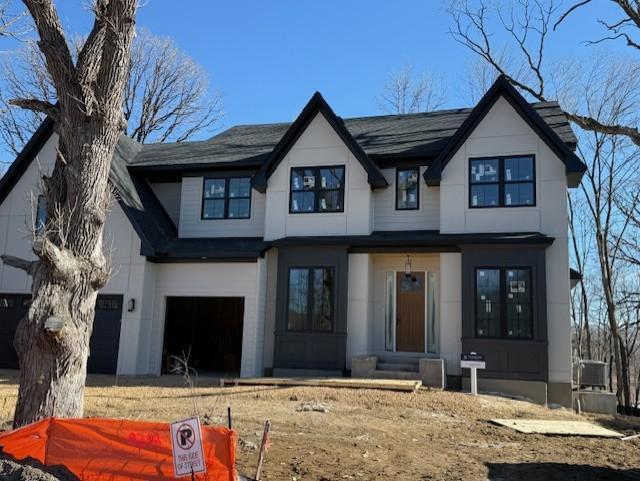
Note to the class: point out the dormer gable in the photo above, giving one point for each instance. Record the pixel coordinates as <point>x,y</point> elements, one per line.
<point>317,105</point>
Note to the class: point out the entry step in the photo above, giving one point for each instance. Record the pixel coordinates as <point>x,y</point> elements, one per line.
<point>397,366</point>
<point>379,374</point>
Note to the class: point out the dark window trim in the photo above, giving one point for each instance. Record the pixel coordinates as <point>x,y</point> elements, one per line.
<point>502,182</point>
<point>316,191</point>
<point>503,302</point>
<point>226,198</point>
<point>408,169</point>
<point>310,300</point>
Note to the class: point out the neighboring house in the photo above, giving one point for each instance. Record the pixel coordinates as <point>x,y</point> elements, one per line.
<point>295,248</point>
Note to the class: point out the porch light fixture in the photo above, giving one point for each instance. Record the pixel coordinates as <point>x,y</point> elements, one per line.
<point>131,305</point>
<point>407,267</point>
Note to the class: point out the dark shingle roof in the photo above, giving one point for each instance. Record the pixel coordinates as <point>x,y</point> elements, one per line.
<point>411,135</point>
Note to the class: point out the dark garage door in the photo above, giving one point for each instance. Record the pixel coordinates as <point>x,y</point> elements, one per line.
<point>104,340</point>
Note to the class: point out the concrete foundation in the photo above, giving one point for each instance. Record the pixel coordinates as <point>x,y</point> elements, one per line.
<point>560,393</point>
<point>432,372</point>
<point>534,391</point>
<point>602,402</point>
<point>363,366</point>
<point>277,372</point>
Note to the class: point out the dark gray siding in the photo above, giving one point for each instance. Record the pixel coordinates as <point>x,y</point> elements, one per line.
<point>525,359</point>
<point>312,350</point>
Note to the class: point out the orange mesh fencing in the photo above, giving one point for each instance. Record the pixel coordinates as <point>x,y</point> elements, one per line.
<point>117,450</point>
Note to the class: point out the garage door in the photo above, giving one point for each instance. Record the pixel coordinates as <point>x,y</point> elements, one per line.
<point>105,339</point>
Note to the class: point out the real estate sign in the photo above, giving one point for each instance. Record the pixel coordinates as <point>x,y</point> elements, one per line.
<point>186,443</point>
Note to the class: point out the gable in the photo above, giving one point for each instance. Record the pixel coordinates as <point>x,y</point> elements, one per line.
<point>317,105</point>
<point>502,89</point>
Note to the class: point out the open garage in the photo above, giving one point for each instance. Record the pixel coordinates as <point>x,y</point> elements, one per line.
<point>208,330</point>
<point>105,340</point>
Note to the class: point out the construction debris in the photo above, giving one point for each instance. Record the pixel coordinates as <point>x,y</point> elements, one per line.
<point>313,407</point>
<point>557,427</point>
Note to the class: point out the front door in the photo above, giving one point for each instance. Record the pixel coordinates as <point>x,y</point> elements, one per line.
<point>410,312</point>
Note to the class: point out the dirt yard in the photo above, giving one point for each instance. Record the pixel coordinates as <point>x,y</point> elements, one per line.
<point>371,435</point>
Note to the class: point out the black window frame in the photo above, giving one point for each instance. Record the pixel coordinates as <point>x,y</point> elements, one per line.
<point>408,169</point>
<point>503,302</point>
<point>227,180</point>
<point>311,300</point>
<point>317,190</point>
<point>501,182</point>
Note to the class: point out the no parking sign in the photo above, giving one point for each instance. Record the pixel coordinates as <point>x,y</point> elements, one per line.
<point>186,442</point>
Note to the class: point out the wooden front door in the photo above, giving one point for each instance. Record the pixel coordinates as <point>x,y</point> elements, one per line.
<point>410,312</point>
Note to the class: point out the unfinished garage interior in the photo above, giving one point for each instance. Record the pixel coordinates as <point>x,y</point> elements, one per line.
<point>206,330</point>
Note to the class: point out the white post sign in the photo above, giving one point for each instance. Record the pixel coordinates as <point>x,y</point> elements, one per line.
<point>186,443</point>
<point>473,361</point>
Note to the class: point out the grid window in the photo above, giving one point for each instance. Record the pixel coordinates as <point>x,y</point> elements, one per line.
<point>407,189</point>
<point>226,198</point>
<point>317,189</point>
<point>310,299</point>
<point>504,303</point>
<point>502,182</point>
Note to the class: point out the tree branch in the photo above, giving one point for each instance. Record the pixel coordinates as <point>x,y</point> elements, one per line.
<point>37,105</point>
<point>589,123</point>
<point>23,264</point>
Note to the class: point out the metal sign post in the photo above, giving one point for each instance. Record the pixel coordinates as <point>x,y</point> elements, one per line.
<point>473,361</point>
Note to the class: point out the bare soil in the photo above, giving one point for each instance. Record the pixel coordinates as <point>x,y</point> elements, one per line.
<point>371,434</point>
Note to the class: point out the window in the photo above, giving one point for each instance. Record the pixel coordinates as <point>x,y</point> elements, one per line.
<point>310,301</point>
<point>226,198</point>
<point>503,303</point>
<point>317,189</point>
<point>407,189</point>
<point>502,182</point>
<point>41,213</point>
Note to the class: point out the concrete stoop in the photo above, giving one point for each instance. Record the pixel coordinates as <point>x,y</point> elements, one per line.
<point>430,371</point>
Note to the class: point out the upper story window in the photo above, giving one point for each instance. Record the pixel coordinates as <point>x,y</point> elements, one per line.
<point>317,189</point>
<point>502,182</point>
<point>407,189</point>
<point>226,198</point>
<point>503,303</point>
<point>310,299</point>
<point>41,213</point>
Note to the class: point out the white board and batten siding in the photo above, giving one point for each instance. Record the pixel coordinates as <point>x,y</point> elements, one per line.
<point>191,222</point>
<point>387,218</point>
<point>319,145</point>
<point>504,132</point>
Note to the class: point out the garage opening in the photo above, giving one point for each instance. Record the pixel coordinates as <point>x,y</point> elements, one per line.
<point>207,329</point>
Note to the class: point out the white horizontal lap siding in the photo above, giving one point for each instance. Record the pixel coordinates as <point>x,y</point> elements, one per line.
<point>169,193</point>
<point>319,145</point>
<point>386,217</point>
<point>210,280</point>
<point>192,224</point>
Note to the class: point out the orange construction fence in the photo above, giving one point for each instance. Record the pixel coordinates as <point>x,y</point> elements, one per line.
<point>117,450</point>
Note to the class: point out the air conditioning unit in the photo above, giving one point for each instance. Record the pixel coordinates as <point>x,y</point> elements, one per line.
<point>590,373</point>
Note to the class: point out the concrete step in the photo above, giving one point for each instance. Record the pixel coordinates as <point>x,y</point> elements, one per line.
<point>397,366</point>
<point>390,359</point>
<point>378,374</point>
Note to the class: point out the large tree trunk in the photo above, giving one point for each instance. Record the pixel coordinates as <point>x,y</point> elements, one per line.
<point>52,341</point>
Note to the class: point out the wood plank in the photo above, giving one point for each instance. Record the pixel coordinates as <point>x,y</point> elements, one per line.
<point>384,384</point>
<point>557,427</point>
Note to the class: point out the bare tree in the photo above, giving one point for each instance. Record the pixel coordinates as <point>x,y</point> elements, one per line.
<point>167,97</point>
<point>52,341</point>
<point>407,93</point>
<point>528,24</point>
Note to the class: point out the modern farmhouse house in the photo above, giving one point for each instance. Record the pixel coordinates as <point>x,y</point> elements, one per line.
<point>379,246</point>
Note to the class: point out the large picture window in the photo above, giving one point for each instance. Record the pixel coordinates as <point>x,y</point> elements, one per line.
<point>226,198</point>
<point>310,299</point>
<point>407,189</point>
<point>504,303</point>
<point>317,189</point>
<point>502,182</point>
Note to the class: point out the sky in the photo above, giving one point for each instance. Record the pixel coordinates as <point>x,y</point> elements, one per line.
<point>268,57</point>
